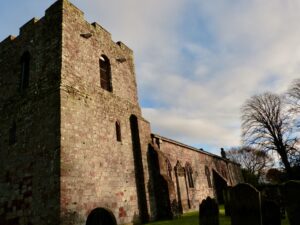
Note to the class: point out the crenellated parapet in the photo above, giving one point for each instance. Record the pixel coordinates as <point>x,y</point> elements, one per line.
<point>29,26</point>
<point>101,30</point>
<point>7,40</point>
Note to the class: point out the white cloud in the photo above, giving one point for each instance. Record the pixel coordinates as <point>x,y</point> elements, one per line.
<point>195,130</point>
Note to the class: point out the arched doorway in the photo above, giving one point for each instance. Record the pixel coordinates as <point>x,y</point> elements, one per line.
<point>101,216</point>
<point>220,185</point>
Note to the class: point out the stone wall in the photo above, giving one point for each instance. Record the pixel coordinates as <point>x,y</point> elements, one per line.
<point>29,124</point>
<point>207,169</point>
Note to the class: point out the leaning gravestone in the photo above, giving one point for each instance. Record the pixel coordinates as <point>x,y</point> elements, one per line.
<point>291,192</point>
<point>209,212</point>
<point>270,213</point>
<point>245,205</point>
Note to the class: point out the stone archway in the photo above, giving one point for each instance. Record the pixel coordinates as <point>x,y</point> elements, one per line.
<point>182,189</point>
<point>101,216</point>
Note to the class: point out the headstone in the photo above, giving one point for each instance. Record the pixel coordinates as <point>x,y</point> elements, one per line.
<point>292,201</point>
<point>245,205</point>
<point>175,209</point>
<point>273,193</point>
<point>270,213</point>
<point>209,212</point>
<point>226,196</point>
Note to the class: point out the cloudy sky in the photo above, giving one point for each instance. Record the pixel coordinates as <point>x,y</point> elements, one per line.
<point>197,61</point>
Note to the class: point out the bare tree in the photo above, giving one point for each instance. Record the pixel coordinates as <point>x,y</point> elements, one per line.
<point>293,100</point>
<point>293,96</point>
<point>254,161</point>
<point>266,126</point>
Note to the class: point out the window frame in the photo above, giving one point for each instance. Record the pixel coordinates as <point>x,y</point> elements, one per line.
<point>208,175</point>
<point>105,73</point>
<point>189,173</point>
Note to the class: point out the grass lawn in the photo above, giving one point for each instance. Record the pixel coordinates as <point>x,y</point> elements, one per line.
<point>192,219</point>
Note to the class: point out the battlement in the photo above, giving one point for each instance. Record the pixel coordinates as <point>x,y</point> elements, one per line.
<point>7,40</point>
<point>52,13</point>
<point>58,9</point>
<point>29,25</point>
<point>25,30</point>
<point>99,29</point>
<point>125,47</point>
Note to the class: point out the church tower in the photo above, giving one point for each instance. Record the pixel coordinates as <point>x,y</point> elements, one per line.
<point>72,139</point>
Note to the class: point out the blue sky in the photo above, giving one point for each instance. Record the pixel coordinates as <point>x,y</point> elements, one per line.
<point>197,61</point>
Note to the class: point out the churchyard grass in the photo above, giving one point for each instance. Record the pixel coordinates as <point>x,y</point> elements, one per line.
<point>191,218</point>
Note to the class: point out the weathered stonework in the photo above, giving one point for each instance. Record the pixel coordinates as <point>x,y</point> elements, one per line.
<point>210,173</point>
<point>65,160</point>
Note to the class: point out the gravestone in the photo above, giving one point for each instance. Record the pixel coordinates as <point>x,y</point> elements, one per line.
<point>270,213</point>
<point>209,212</point>
<point>175,209</point>
<point>226,196</point>
<point>245,205</point>
<point>273,193</point>
<point>291,194</point>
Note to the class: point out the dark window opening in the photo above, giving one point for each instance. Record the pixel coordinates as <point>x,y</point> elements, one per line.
<point>189,172</point>
<point>25,71</point>
<point>12,134</point>
<point>118,131</point>
<point>207,173</point>
<point>105,73</point>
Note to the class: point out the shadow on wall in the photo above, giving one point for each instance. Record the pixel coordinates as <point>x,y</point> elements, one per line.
<point>138,168</point>
<point>220,186</point>
<point>160,205</point>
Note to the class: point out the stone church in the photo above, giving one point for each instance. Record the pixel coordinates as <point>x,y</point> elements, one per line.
<point>74,146</point>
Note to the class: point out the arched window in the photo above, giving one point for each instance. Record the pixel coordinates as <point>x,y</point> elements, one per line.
<point>118,131</point>
<point>12,134</point>
<point>189,173</point>
<point>25,71</point>
<point>169,168</point>
<point>105,73</point>
<point>207,173</point>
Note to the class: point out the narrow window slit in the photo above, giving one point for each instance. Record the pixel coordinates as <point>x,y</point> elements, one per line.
<point>118,131</point>
<point>25,71</point>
